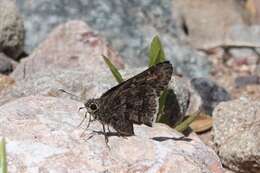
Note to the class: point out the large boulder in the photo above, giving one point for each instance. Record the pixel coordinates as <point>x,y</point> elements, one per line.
<point>42,136</point>
<point>71,45</point>
<point>236,134</point>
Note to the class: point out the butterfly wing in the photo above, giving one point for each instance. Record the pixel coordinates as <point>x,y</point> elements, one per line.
<point>134,100</point>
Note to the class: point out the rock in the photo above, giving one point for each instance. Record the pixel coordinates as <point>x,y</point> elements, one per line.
<point>12,32</point>
<point>243,36</point>
<point>241,52</point>
<point>188,61</point>
<point>6,66</point>
<point>236,134</point>
<point>71,45</point>
<point>81,83</point>
<point>242,81</point>
<point>183,100</point>
<point>202,24</point>
<point>254,7</point>
<point>42,135</point>
<point>252,91</point>
<point>210,92</point>
<point>257,70</point>
<point>128,25</point>
<point>177,101</point>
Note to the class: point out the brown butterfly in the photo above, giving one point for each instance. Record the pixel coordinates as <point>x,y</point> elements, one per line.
<point>132,101</point>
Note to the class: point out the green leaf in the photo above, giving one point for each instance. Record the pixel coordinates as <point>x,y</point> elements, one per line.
<point>113,69</point>
<point>160,118</point>
<point>186,123</point>
<point>3,162</point>
<point>156,52</point>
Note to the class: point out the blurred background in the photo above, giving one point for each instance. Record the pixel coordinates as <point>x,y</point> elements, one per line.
<point>201,38</point>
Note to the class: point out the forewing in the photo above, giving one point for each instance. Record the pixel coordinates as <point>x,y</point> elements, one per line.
<point>157,77</point>
<point>135,99</point>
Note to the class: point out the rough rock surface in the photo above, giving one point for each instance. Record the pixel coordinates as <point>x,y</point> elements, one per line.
<point>80,83</point>
<point>236,134</point>
<point>71,45</point>
<point>48,140</point>
<point>12,32</point>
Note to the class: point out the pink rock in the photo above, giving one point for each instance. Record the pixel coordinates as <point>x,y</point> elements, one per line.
<point>71,45</point>
<point>42,136</point>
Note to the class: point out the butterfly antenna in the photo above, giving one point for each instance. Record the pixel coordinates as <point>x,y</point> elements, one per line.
<point>62,90</point>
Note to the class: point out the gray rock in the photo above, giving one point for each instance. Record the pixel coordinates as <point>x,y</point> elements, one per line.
<point>236,134</point>
<point>177,101</point>
<point>246,36</point>
<point>211,93</point>
<point>188,61</point>
<point>42,136</point>
<point>80,83</point>
<point>257,70</point>
<point>6,66</point>
<point>129,26</point>
<point>12,33</point>
<point>71,45</point>
<point>242,81</point>
<point>202,24</point>
<point>183,100</point>
<point>241,52</point>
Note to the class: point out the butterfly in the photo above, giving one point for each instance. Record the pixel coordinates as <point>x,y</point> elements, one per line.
<point>133,101</point>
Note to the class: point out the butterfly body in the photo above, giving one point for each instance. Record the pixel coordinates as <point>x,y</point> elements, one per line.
<point>133,101</point>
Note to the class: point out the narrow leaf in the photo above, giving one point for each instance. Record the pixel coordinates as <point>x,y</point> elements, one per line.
<point>113,69</point>
<point>156,52</point>
<point>3,162</point>
<point>185,124</point>
<point>160,118</point>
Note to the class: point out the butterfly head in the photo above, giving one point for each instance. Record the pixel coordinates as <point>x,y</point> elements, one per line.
<point>92,106</point>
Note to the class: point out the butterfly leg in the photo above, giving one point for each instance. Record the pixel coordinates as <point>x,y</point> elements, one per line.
<point>105,134</point>
<point>109,131</point>
<point>89,120</point>
<point>85,116</point>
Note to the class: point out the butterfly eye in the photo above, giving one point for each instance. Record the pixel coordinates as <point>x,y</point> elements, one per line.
<point>93,107</point>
